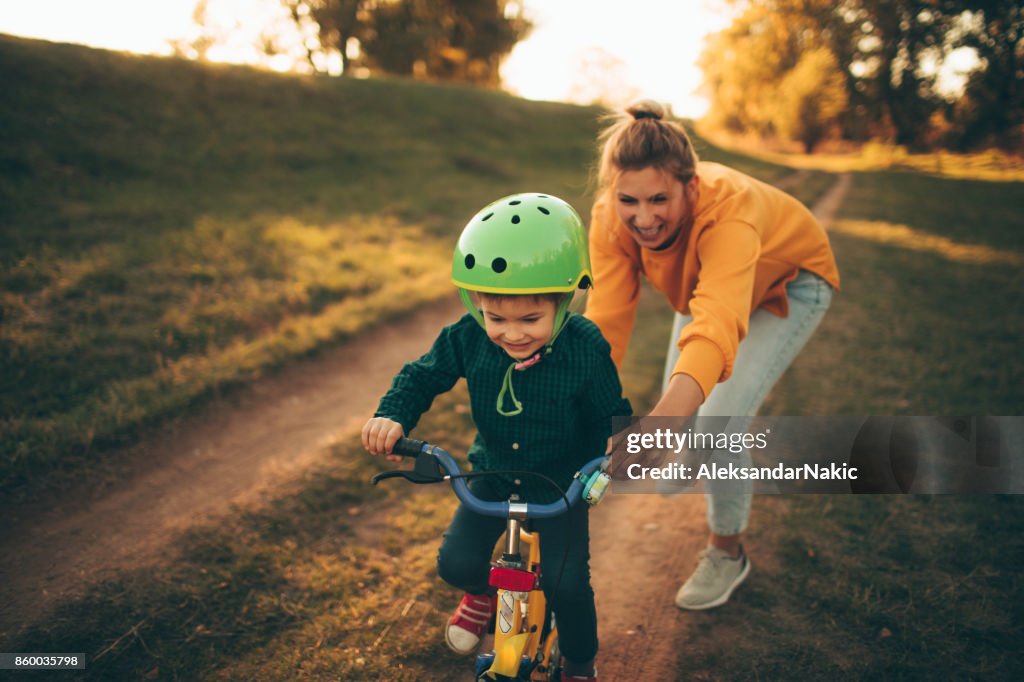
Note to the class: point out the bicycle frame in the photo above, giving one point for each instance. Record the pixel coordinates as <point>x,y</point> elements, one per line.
<point>519,623</point>
<point>522,650</point>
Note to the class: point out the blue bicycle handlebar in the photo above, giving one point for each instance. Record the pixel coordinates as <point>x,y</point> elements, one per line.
<point>412,448</point>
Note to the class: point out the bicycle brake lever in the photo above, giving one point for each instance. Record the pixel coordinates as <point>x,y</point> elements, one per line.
<point>411,476</point>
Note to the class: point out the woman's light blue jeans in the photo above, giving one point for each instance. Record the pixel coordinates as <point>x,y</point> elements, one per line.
<point>771,345</point>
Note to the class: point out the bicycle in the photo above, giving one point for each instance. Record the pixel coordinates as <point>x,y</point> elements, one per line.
<point>525,633</point>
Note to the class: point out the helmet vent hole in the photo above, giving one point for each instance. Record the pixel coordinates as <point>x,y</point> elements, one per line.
<point>584,282</point>
<point>499,265</point>
<point>542,196</point>
<point>515,220</point>
<point>515,202</point>
<point>487,217</point>
<point>470,261</point>
<point>543,210</point>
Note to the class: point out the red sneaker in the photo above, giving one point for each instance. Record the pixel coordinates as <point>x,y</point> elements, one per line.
<point>563,676</point>
<point>469,622</point>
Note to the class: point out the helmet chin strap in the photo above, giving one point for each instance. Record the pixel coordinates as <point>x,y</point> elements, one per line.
<point>561,314</point>
<point>561,317</point>
<point>467,301</point>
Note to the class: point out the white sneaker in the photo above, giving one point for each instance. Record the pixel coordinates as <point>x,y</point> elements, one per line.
<point>714,580</point>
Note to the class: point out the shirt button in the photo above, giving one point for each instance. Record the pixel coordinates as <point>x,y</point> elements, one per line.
<point>515,446</point>
<point>518,482</point>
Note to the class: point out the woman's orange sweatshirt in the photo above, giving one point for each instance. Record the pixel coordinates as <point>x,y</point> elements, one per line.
<point>747,241</point>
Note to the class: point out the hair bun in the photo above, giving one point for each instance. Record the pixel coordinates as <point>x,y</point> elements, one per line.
<point>646,109</point>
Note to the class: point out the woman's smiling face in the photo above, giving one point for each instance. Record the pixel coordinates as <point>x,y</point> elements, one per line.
<point>654,205</point>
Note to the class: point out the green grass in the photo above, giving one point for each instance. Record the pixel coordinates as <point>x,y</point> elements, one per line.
<point>930,320</point>
<point>929,317</point>
<point>171,229</point>
<point>331,579</point>
<point>874,587</point>
<point>309,584</point>
<point>196,201</point>
<point>876,156</point>
<point>886,587</point>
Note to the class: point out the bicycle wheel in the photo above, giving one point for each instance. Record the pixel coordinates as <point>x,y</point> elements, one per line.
<point>549,670</point>
<point>554,670</point>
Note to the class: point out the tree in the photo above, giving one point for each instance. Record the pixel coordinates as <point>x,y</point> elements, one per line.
<point>811,98</point>
<point>482,33</point>
<point>337,22</point>
<point>884,50</point>
<point>891,39</point>
<point>741,64</point>
<point>444,39</point>
<point>401,35</point>
<point>746,64</point>
<point>992,110</point>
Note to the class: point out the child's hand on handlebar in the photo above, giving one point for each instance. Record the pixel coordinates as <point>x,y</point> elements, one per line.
<point>380,435</point>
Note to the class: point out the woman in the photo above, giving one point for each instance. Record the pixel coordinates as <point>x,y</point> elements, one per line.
<point>749,272</point>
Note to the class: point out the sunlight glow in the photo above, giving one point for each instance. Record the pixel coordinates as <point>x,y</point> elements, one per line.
<point>579,50</point>
<point>649,48</point>
<point>916,240</point>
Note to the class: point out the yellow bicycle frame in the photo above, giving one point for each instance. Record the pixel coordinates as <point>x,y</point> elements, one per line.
<point>519,622</point>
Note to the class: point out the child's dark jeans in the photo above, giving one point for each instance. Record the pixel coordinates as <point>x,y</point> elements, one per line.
<point>464,562</point>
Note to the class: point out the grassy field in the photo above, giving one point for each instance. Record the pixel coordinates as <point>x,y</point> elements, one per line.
<point>107,221</point>
<point>930,320</point>
<point>172,229</point>
<point>335,580</point>
<point>990,165</point>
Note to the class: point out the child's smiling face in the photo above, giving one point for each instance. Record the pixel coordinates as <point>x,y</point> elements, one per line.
<point>520,325</point>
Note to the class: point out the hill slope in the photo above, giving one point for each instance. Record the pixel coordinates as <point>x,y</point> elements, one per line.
<point>170,227</point>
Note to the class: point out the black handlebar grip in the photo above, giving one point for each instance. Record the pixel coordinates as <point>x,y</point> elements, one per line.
<point>408,447</point>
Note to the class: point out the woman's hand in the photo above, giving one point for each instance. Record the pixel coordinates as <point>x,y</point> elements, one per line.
<point>678,403</point>
<point>380,435</point>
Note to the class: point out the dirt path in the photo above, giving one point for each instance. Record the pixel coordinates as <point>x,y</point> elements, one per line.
<point>199,467</point>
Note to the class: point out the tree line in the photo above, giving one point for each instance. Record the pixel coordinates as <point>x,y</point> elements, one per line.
<point>462,40</point>
<point>811,70</point>
<point>800,70</point>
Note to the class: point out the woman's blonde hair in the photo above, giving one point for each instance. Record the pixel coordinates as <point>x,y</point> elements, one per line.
<point>640,138</point>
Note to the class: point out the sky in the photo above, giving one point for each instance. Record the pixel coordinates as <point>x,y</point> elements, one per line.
<point>579,50</point>
<point>653,43</point>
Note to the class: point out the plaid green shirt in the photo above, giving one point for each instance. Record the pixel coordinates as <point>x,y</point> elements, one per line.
<point>568,398</point>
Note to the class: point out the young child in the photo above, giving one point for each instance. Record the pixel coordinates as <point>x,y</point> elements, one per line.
<point>543,390</point>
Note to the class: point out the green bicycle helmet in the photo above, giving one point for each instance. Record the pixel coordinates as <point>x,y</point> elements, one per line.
<point>523,244</point>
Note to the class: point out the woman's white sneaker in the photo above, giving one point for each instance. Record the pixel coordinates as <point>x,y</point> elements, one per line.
<point>712,583</point>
